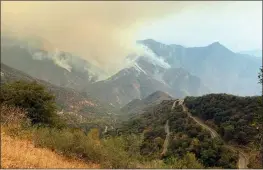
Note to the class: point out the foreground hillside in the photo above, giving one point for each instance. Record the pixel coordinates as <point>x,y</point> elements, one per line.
<point>164,135</point>
<point>223,123</point>
<point>169,134</point>
<point>238,120</point>
<point>17,153</point>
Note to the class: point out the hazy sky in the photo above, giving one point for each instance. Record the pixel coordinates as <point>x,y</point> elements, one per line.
<point>106,32</point>
<point>238,25</point>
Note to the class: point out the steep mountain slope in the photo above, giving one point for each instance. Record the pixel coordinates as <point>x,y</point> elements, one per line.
<point>219,68</point>
<point>144,78</point>
<point>179,80</point>
<point>126,85</point>
<point>184,83</point>
<point>57,67</point>
<point>68,100</point>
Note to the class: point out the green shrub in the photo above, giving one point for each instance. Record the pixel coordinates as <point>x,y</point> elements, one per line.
<point>37,102</point>
<point>109,153</point>
<point>188,161</point>
<point>121,152</point>
<point>68,142</point>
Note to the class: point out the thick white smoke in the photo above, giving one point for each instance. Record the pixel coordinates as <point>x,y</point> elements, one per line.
<point>99,31</point>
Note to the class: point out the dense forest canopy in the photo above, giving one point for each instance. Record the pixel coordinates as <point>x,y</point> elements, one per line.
<point>232,116</point>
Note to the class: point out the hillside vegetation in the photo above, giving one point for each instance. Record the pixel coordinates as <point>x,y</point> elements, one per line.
<point>17,153</point>
<point>185,137</point>
<point>139,143</point>
<point>25,121</point>
<point>232,116</point>
<point>29,119</point>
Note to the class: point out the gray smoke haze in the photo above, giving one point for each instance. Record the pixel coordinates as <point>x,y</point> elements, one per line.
<point>101,32</point>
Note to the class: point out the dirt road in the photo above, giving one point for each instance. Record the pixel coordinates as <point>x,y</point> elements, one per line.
<point>198,121</point>
<point>166,141</point>
<point>243,159</point>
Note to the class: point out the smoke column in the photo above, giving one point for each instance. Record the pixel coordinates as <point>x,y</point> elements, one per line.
<point>101,32</point>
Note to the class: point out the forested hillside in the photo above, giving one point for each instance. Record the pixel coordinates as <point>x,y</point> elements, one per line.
<point>163,124</point>
<point>232,116</point>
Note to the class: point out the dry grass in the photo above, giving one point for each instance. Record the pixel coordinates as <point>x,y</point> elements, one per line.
<point>12,115</point>
<point>17,153</point>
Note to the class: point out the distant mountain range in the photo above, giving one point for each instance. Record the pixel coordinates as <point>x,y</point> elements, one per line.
<point>255,53</point>
<point>219,68</point>
<point>173,69</point>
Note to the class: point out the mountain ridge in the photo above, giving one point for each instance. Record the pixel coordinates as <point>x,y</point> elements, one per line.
<point>213,64</point>
<point>136,106</point>
<point>173,69</point>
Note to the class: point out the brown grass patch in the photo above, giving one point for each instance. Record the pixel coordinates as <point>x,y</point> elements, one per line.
<point>17,153</point>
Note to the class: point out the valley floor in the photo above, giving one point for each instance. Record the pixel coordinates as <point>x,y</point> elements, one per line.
<point>17,153</point>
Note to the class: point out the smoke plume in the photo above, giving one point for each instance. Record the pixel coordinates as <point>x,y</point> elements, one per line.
<point>101,32</point>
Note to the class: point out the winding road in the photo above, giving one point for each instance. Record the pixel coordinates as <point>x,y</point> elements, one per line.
<point>243,159</point>
<point>166,141</point>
